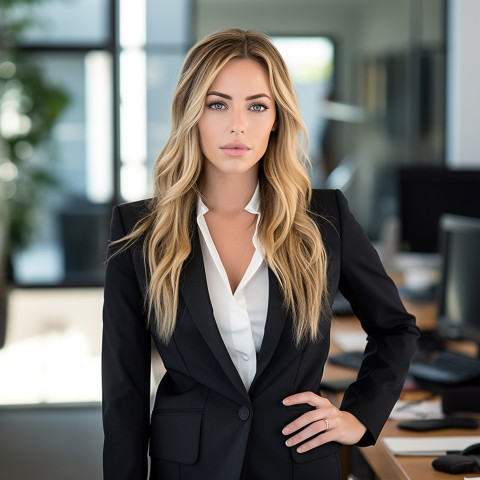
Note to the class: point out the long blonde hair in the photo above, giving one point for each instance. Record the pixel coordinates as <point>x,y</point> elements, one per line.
<point>292,244</point>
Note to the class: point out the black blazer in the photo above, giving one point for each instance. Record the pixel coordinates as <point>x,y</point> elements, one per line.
<point>205,425</point>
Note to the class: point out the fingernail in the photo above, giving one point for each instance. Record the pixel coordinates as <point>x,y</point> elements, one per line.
<point>285,431</point>
<point>300,449</point>
<point>288,443</point>
<point>286,401</point>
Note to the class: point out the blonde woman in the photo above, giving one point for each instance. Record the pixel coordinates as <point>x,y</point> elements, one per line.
<point>231,267</point>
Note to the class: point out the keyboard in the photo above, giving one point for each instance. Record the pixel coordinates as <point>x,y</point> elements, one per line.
<point>347,359</point>
<point>447,368</point>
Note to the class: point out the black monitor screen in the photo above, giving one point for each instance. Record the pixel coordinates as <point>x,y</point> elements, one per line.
<point>427,193</point>
<point>459,294</point>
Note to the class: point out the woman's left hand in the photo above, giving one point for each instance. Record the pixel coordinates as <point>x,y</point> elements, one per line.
<point>333,424</point>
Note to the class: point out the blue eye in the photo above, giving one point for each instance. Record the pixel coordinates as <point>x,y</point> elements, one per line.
<point>216,105</point>
<point>258,107</point>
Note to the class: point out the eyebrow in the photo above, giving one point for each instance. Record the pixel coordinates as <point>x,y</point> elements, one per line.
<point>228,97</point>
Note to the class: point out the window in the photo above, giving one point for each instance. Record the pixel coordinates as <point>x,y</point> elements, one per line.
<point>108,137</point>
<point>310,61</point>
<point>154,37</point>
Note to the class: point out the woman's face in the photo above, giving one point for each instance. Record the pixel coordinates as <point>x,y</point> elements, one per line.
<point>237,119</point>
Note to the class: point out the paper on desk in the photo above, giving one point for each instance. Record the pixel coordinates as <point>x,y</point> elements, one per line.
<point>351,341</point>
<point>428,446</point>
<point>404,410</point>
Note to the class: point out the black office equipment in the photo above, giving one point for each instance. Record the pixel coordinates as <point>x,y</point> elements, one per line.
<point>459,303</point>
<point>425,194</point>
<point>337,385</point>
<point>447,368</point>
<point>351,359</point>
<point>461,399</point>
<point>459,293</point>
<point>467,461</point>
<point>455,464</point>
<point>429,424</point>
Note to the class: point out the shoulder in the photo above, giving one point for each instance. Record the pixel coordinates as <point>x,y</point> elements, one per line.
<point>327,203</point>
<point>324,211</point>
<point>126,216</point>
<point>130,213</point>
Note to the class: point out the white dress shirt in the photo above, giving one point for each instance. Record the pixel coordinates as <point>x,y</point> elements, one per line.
<point>240,316</point>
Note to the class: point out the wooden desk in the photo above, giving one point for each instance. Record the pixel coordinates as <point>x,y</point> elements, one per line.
<point>385,465</point>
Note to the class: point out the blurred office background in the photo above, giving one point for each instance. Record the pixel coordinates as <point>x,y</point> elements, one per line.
<point>85,92</point>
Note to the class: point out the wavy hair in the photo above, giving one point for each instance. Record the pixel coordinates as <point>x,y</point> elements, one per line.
<point>292,243</point>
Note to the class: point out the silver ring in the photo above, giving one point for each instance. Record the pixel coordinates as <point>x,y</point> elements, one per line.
<point>326,423</point>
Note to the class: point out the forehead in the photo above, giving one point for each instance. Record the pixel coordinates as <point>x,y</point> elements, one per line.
<point>244,75</point>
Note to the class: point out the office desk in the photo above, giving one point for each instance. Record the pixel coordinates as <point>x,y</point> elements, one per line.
<point>389,467</point>
<point>385,465</point>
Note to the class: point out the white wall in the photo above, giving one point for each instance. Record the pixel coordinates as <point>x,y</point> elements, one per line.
<point>463,84</point>
<point>374,28</point>
<point>284,18</point>
<point>359,28</point>
<point>383,29</point>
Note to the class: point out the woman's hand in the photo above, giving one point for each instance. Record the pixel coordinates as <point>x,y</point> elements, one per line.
<point>333,424</point>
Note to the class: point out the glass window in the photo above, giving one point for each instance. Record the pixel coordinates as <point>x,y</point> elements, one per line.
<point>64,184</point>
<point>70,228</point>
<point>310,61</point>
<point>162,75</point>
<point>83,22</point>
<point>153,40</point>
<point>168,23</point>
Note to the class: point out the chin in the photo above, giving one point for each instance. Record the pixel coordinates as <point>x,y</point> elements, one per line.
<point>234,166</point>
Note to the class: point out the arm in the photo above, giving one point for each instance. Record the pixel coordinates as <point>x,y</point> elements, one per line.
<point>392,335</point>
<point>125,368</point>
<point>391,331</point>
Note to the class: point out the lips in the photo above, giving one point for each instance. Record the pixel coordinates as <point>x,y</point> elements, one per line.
<point>235,149</point>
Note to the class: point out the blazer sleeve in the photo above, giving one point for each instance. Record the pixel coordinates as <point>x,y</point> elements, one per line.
<point>391,331</point>
<point>126,347</point>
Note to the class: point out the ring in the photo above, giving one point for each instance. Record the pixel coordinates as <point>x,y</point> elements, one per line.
<point>326,423</point>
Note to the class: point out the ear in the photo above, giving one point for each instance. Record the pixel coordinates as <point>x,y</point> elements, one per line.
<point>275,126</point>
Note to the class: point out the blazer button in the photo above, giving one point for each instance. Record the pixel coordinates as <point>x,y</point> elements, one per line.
<point>244,413</point>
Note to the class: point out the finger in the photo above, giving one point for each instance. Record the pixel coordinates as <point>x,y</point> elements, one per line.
<point>310,431</point>
<point>305,397</point>
<point>302,421</point>
<point>325,437</point>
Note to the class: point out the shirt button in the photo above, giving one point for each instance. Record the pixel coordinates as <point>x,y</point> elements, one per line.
<point>244,413</point>
<point>245,356</point>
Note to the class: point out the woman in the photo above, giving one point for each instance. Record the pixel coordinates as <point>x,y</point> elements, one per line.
<point>231,267</point>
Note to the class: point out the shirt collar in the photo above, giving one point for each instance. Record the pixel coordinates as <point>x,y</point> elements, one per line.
<point>253,206</point>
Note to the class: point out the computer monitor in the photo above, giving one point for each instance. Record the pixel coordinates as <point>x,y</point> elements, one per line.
<point>427,193</point>
<point>459,291</point>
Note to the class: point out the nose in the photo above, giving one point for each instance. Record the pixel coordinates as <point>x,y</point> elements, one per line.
<point>238,122</point>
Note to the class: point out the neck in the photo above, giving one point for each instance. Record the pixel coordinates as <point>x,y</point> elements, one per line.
<point>228,193</point>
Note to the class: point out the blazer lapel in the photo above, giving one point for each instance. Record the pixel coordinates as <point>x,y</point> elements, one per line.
<point>194,290</point>
<point>274,325</point>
